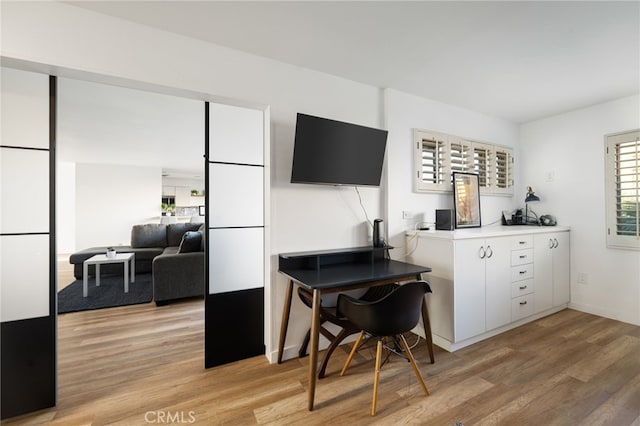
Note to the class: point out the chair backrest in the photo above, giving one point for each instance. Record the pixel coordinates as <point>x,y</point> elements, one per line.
<point>396,313</point>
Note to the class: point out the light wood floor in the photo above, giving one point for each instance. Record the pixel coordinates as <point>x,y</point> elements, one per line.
<point>144,364</point>
<point>118,365</point>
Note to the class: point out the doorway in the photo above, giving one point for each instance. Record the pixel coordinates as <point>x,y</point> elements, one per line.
<point>51,291</point>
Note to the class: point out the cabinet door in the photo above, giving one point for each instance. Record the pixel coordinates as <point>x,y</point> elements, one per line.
<point>469,297</point>
<point>183,196</point>
<point>543,271</point>
<point>561,269</point>
<point>498,282</point>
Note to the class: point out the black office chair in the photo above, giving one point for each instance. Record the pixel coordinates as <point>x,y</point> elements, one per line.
<point>328,314</point>
<point>394,314</point>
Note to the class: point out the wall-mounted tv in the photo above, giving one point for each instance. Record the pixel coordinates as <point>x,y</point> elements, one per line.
<point>333,152</point>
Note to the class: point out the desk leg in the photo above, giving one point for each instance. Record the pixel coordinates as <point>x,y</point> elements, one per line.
<point>313,350</point>
<point>427,329</point>
<point>286,310</point>
<point>97,275</point>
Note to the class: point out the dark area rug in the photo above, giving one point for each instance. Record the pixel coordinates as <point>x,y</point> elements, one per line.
<point>109,294</point>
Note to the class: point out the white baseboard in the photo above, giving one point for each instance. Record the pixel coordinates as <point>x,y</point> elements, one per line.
<point>594,310</point>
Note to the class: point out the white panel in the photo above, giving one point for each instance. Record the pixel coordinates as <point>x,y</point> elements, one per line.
<point>236,134</point>
<point>24,276</point>
<point>236,259</point>
<point>236,195</point>
<point>25,108</point>
<point>24,190</point>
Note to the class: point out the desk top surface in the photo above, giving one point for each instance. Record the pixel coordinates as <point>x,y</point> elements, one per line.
<point>353,274</point>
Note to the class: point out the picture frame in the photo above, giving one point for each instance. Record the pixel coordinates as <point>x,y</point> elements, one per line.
<point>201,210</point>
<point>466,200</point>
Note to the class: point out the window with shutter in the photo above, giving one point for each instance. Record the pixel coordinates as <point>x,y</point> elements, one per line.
<point>438,155</point>
<point>622,180</point>
<point>482,165</point>
<point>503,166</point>
<point>431,149</point>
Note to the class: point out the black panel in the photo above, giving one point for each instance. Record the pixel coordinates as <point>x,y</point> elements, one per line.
<point>234,326</point>
<point>28,366</point>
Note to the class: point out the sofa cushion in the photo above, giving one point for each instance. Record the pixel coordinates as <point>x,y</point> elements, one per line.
<point>175,231</point>
<point>149,235</point>
<point>191,242</point>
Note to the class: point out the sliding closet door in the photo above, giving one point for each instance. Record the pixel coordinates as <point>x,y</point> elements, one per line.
<point>27,243</point>
<point>234,313</point>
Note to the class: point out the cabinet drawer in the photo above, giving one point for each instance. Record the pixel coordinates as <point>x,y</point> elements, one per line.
<point>521,272</point>
<point>520,288</point>
<point>521,307</point>
<point>522,242</point>
<point>521,257</point>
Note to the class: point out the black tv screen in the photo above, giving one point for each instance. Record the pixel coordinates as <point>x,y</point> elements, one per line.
<point>337,153</point>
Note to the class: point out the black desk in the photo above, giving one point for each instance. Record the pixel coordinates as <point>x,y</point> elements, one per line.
<point>332,271</point>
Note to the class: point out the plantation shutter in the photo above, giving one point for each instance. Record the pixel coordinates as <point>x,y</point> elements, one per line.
<point>431,167</point>
<point>623,189</point>
<point>482,155</point>
<point>503,166</point>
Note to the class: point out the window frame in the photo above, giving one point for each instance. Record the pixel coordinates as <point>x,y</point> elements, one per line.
<point>611,142</point>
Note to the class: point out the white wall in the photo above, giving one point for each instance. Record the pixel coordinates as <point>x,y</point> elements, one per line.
<point>303,217</point>
<point>404,112</point>
<point>66,207</point>
<point>565,165</point>
<point>110,199</point>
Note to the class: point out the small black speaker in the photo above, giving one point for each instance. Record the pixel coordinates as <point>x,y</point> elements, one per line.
<point>444,220</point>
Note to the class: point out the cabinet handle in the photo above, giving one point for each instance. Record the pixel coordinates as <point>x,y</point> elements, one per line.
<point>524,256</point>
<point>523,303</point>
<point>556,243</point>
<point>523,287</point>
<point>523,272</point>
<point>482,252</point>
<point>550,243</point>
<point>490,251</point>
<point>522,242</point>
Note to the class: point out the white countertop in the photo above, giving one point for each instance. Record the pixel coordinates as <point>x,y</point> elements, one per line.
<point>488,231</point>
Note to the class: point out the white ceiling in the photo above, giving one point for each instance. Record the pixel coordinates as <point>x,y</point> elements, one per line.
<point>106,124</point>
<point>517,60</point>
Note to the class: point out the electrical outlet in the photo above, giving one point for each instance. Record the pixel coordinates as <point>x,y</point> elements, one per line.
<point>583,278</point>
<point>550,176</point>
<point>407,214</point>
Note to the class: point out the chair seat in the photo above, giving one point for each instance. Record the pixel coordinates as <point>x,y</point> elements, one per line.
<point>329,314</point>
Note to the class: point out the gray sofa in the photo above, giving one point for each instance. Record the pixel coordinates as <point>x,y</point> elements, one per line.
<point>178,270</point>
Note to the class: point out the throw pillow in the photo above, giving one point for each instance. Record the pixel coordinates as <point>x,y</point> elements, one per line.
<point>201,230</point>
<point>191,241</point>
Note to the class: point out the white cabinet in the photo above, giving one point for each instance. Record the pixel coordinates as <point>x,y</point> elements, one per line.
<point>483,273</point>
<point>469,271</point>
<point>552,273</point>
<point>168,191</point>
<point>183,196</point>
<point>488,281</point>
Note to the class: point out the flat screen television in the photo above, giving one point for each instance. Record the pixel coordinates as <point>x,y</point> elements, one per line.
<point>333,152</point>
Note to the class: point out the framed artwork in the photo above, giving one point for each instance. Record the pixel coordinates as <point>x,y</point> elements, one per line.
<point>466,200</point>
<point>201,210</point>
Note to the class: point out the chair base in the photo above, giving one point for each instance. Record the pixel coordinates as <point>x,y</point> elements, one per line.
<point>378,365</point>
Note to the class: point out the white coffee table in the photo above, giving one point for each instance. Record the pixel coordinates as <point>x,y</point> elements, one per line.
<point>101,259</point>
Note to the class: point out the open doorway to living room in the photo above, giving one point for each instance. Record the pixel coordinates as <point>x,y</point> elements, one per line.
<point>130,176</point>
